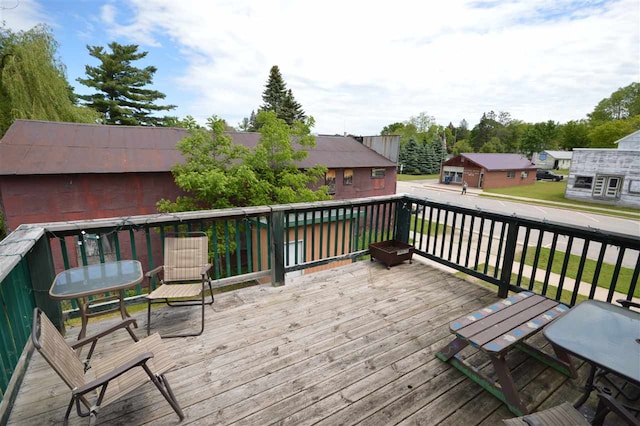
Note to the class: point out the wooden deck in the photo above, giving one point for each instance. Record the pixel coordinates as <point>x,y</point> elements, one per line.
<point>352,345</point>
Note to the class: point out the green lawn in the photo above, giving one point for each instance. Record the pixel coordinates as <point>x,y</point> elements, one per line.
<point>553,191</point>
<point>606,271</point>
<point>416,177</point>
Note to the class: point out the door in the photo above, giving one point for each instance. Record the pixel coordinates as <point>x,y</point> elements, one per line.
<point>480,180</point>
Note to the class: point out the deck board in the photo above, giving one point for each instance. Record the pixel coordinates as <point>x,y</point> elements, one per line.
<point>351,345</point>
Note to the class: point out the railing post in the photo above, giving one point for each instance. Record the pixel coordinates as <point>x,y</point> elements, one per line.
<point>403,225</point>
<point>277,247</point>
<point>509,256</point>
<point>42,273</point>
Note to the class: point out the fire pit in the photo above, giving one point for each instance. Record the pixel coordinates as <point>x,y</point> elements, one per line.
<point>391,252</point>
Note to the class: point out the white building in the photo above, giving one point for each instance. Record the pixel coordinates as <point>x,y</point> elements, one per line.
<point>608,176</point>
<point>558,160</point>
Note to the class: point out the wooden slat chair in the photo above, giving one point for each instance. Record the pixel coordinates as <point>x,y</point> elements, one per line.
<point>184,275</point>
<point>562,415</point>
<point>96,385</point>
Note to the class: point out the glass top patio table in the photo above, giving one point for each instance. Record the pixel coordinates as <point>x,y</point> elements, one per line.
<point>95,279</point>
<point>603,334</point>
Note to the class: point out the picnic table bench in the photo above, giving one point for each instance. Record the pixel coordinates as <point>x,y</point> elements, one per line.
<point>495,330</point>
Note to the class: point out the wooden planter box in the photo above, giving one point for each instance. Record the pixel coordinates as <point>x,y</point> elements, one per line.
<point>391,252</point>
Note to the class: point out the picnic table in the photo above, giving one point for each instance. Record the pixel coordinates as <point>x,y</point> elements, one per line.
<point>495,330</point>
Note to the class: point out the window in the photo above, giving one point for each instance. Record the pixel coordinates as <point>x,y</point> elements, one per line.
<point>511,174</point>
<point>377,173</point>
<point>607,186</point>
<point>583,182</point>
<point>347,177</point>
<point>524,175</point>
<point>452,176</point>
<point>330,181</point>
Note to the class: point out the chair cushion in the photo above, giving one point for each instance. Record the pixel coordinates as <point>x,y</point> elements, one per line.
<point>172,291</point>
<point>184,258</point>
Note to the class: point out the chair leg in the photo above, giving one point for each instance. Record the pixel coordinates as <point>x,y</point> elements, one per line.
<point>163,386</point>
<point>148,317</point>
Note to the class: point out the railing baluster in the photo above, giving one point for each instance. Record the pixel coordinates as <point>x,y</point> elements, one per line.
<point>227,248</point>
<point>295,237</point>
<point>523,257</point>
<point>452,234</point>
<point>305,258</point>
<point>489,243</point>
<point>616,274</point>
<point>429,231</point>
<point>238,248</point>
<point>147,235</point>
<point>479,246</point>
<point>444,233</point>
<point>565,265</point>
<point>596,273</point>
<point>422,217</point>
<point>469,242</point>
<point>435,232</point>
<point>536,258</point>
<point>313,235</point>
<point>460,238</point>
<point>583,258</point>
<point>634,277</point>
<point>499,254</point>
<point>552,253</point>
<point>344,230</point>
<point>259,243</point>
<point>216,256</point>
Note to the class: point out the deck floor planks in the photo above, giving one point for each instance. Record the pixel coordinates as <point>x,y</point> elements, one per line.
<point>355,344</point>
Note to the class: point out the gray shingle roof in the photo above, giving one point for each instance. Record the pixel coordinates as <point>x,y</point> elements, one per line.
<point>44,147</point>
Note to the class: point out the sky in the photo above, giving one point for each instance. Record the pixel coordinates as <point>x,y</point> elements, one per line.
<point>359,65</point>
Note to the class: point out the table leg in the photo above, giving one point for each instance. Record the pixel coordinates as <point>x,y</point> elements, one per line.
<point>449,351</point>
<point>84,320</point>
<point>123,310</point>
<point>508,386</point>
<point>588,387</point>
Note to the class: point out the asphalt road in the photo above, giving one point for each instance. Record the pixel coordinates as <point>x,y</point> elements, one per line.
<point>521,209</point>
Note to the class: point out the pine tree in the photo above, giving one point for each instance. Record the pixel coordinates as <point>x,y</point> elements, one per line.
<point>121,95</point>
<point>33,84</point>
<point>291,109</point>
<point>279,99</point>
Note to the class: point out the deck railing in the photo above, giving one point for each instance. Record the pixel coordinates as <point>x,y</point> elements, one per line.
<point>560,261</point>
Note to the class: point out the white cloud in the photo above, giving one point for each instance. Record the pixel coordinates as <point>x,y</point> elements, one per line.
<point>359,65</point>
<point>20,15</point>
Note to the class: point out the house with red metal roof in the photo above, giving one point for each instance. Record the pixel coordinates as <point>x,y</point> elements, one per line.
<point>488,170</point>
<point>52,171</point>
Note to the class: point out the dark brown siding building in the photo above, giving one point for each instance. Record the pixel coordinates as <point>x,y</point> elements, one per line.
<point>488,170</point>
<point>53,171</point>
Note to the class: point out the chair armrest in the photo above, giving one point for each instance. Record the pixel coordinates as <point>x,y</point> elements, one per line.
<point>628,303</point>
<point>154,271</point>
<point>607,403</point>
<point>102,380</point>
<point>90,339</point>
<point>205,269</point>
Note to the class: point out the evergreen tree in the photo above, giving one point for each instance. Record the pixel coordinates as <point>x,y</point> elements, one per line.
<point>121,96</point>
<point>291,109</point>
<point>280,100</point>
<point>33,84</point>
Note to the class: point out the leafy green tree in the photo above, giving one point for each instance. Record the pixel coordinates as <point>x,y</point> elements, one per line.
<point>604,135</point>
<point>623,103</point>
<point>462,147</point>
<point>121,95</point>
<point>574,134</point>
<point>392,129</point>
<point>494,145</point>
<point>218,173</point>
<point>484,130</point>
<point>33,84</point>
